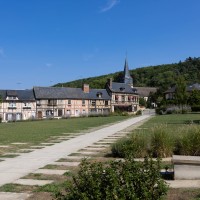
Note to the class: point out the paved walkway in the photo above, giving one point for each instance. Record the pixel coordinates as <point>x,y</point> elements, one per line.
<point>13,169</point>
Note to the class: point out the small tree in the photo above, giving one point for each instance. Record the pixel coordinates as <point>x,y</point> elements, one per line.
<point>142,102</point>
<point>194,98</point>
<point>180,92</point>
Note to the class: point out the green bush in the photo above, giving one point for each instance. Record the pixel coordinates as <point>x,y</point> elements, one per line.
<point>195,108</point>
<point>162,144</point>
<point>139,112</point>
<point>161,110</point>
<point>116,180</point>
<point>135,146</point>
<point>189,142</point>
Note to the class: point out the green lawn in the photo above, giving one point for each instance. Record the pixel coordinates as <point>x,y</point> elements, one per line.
<point>39,131</point>
<point>173,122</point>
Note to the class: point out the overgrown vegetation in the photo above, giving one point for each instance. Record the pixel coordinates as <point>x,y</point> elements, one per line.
<point>116,180</point>
<point>162,140</point>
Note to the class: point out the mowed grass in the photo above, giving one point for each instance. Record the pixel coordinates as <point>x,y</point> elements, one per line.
<point>173,122</point>
<point>35,132</point>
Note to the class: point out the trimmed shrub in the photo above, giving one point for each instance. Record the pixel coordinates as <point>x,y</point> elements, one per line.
<point>162,144</point>
<point>116,180</point>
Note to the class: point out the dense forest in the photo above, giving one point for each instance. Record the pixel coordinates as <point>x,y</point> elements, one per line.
<point>161,76</point>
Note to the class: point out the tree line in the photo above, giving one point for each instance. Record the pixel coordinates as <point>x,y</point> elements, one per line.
<point>160,76</point>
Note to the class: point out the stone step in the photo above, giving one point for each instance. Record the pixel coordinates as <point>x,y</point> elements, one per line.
<point>87,152</point>
<point>4,146</point>
<point>19,143</point>
<point>13,196</point>
<point>50,171</point>
<point>32,182</point>
<point>70,164</point>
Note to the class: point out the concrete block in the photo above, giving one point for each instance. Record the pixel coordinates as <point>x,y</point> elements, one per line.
<point>186,167</point>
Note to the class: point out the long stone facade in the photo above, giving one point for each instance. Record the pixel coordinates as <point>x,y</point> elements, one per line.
<point>57,102</point>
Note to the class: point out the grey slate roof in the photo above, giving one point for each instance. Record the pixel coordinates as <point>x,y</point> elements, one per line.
<point>122,88</point>
<point>195,86</point>
<point>189,88</point>
<point>68,93</point>
<point>59,93</point>
<point>22,95</point>
<point>127,79</point>
<point>144,91</point>
<point>93,94</point>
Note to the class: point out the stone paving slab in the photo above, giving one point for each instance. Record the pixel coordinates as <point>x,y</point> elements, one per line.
<point>13,196</point>
<point>94,149</point>
<point>184,183</point>
<point>37,147</point>
<point>47,143</point>
<point>77,157</point>
<point>100,145</point>
<point>87,152</point>
<point>70,164</point>
<point>32,182</point>
<point>4,146</point>
<point>19,143</point>
<point>104,142</point>
<point>114,137</point>
<point>50,171</point>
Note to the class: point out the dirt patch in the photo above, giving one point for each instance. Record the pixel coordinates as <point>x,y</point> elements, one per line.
<point>41,196</point>
<point>183,194</point>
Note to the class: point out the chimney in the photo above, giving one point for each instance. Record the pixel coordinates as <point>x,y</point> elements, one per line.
<point>110,82</point>
<point>86,88</point>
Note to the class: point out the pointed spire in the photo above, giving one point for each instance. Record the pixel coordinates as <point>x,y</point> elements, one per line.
<point>127,77</point>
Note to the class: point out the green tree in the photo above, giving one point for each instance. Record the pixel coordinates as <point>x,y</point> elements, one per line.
<point>180,92</point>
<point>194,98</point>
<point>142,102</point>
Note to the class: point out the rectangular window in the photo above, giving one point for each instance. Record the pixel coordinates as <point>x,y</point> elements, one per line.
<point>83,102</point>
<point>26,105</point>
<point>12,105</point>
<point>123,98</point>
<point>49,113</point>
<point>93,102</point>
<point>52,102</point>
<point>106,103</point>
<point>69,102</point>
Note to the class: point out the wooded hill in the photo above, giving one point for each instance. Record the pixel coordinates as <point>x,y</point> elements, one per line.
<point>161,76</point>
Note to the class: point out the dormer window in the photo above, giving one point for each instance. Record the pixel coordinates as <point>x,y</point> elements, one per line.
<point>99,94</point>
<point>11,98</point>
<point>11,95</point>
<point>122,88</point>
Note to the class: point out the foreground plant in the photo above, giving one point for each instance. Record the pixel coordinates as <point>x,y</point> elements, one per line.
<point>116,180</point>
<point>162,144</point>
<point>189,142</point>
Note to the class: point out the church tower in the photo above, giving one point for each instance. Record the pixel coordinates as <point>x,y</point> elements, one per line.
<point>127,79</point>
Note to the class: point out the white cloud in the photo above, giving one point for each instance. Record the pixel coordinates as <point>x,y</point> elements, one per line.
<point>110,4</point>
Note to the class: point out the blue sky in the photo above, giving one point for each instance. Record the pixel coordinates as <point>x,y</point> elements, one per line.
<point>44,42</point>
